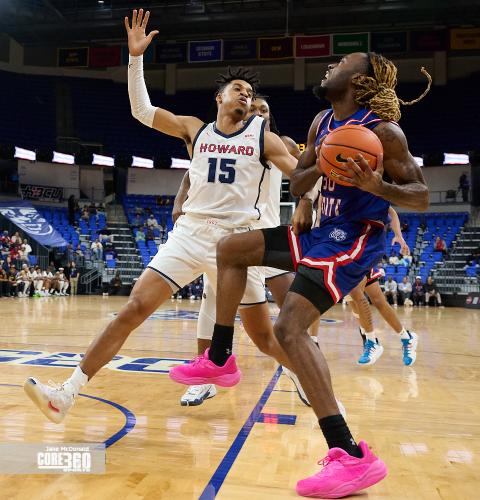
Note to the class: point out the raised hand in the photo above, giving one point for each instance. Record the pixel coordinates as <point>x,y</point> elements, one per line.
<point>137,40</point>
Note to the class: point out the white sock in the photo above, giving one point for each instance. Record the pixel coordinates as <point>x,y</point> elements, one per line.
<point>404,334</point>
<point>371,336</point>
<point>76,381</point>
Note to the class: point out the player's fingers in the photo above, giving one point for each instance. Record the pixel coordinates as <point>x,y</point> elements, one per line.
<point>152,34</point>
<point>354,167</point>
<point>134,19</point>
<point>139,18</point>
<point>380,163</point>
<point>145,19</point>
<point>350,180</point>
<point>127,24</point>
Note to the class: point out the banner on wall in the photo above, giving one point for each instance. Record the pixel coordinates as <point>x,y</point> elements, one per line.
<point>169,53</point>
<point>105,57</point>
<point>275,48</point>
<point>206,51</point>
<point>41,193</point>
<point>389,42</point>
<point>26,217</point>
<point>73,58</point>
<point>465,39</point>
<point>472,301</point>
<point>428,41</point>
<point>346,43</point>
<point>312,46</point>
<point>240,49</point>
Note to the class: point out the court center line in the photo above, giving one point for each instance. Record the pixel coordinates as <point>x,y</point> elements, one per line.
<point>130,419</point>
<point>216,481</point>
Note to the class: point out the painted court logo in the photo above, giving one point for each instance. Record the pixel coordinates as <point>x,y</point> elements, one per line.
<point>338,235</point>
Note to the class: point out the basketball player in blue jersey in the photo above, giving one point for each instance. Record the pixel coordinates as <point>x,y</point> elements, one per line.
<point>330,260</point>
<point>229,165</point>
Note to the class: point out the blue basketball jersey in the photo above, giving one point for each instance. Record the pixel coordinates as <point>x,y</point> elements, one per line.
<point>342,204</point>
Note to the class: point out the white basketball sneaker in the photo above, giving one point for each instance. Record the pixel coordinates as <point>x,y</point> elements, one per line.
<point>53,400</point>
<point>197,394</point>
<point>301,393</point>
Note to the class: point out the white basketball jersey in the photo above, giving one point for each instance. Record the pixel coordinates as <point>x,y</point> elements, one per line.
<point>271,198</point>
<point>227,174</point>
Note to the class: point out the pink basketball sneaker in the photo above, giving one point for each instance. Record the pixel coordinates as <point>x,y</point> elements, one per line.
<point>202,371</point>
<point>343,474</point>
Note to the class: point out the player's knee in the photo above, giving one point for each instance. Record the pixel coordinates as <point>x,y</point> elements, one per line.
<point>283,332</point>
<point>226,251</point>
<point>134,312</point>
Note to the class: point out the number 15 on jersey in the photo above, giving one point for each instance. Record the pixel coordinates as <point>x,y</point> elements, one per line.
<point>226,168</point>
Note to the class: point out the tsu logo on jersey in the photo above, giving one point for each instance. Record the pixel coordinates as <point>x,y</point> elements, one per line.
<point>338,234</point>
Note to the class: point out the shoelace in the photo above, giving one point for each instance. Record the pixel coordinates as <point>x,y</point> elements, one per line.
<point>196,360</point>
<point>194,390</point>
<point>59,387</point>
<point>325,461</point>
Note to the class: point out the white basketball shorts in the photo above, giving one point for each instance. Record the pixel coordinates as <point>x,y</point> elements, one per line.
<point>191,250</point>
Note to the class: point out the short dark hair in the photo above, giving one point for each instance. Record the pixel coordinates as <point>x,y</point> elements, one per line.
<point>239,73</point>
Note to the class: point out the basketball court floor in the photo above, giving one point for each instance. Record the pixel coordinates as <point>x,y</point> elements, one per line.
<point>253,441</point>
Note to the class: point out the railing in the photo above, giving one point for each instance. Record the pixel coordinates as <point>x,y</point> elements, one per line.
<point>89,278</point>
<point>451,196</point>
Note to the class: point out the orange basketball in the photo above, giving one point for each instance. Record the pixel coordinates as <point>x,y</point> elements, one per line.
<point>345,142</point>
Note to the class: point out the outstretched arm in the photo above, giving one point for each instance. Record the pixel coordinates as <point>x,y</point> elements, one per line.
<point>276,152</point>
<point>181,197</point>
<point>397,231</point>
<point>306,174</point>
<point>184,127</point>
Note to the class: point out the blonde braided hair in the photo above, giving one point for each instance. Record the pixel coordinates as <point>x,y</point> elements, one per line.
<point>378,92</point>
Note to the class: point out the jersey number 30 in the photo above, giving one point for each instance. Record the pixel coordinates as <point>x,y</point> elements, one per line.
<point>226,167</point>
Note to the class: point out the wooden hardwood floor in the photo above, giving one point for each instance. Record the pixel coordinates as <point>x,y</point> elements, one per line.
<point>423,421</point>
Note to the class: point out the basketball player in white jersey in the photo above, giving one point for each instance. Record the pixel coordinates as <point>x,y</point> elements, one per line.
<point>277,280</point>
<point>229,165</point>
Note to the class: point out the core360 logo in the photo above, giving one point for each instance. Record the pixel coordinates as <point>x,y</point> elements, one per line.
<point>338,234</point>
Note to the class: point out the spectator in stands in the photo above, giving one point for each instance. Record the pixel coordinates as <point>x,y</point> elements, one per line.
<point>196,289</point>
<point>407,259</point>
<point>5,239</point>
<point>440,245</point>
<point>85,217</point>
<point>27,250</point>
<point>140,236</point>
<point>70,253</point>
<point>12,278</point>
<point>464,186</point>
<point>393,259</point>
<point>74,275</point>
<point>150,236</point>
<point>405,227</point>
<point>7,263</point>
<point>431,290</point>
<point>471,270</point>
<point>152,222</point>
<point>137,221</point>
<point>71,210</point>
<point>101,209</point>
<point>391,290</point>
<point>92,209</point>
<point>115,284</point>
<point>418,292</point>
<point>4,284</point>
<point>404,290</point>
<point>138,210</point>
<point>97,249</point>
<point>16,238</point>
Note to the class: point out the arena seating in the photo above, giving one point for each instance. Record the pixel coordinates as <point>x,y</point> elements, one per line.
<point>113,126</point>
<point>162,213</point>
